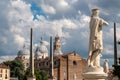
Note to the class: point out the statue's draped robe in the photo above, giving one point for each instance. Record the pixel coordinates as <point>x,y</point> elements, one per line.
<point>95,42</point>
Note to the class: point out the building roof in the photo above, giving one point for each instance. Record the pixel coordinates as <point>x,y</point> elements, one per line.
<point>2,65</point>
<point>60,56</point>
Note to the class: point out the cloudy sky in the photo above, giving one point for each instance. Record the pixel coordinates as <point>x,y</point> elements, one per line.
<point>67,18</point>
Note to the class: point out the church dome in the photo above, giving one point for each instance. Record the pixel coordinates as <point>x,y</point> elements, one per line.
<point>24,51</point>
<point>20,52</point>
<point>43,48</point>
<point>38,51</point>
<point>41,51</point>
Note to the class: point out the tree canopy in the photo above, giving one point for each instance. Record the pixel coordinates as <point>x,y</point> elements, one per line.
<point>17,70</point>
<point>39,74</point>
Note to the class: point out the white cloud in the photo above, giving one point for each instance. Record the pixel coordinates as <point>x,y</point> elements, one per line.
<point>48,9</point>
<point>6,58</point>
<point>84,21</point>
<point>62,3</point>
<point>67,23</point>
<point>108,49</point>
<point>19,40</point>
<point>18,19</point>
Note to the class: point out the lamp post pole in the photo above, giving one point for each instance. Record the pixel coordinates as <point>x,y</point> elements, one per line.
<point>115,46</point>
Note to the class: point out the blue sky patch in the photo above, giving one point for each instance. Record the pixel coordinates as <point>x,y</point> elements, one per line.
<point>36,10</point>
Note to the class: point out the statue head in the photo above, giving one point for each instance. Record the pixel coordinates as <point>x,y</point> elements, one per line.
<point>95,12</point>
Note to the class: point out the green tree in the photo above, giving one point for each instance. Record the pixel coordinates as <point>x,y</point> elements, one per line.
<point>44,75</point>
<point>16,69</point>
<point>39,74</point>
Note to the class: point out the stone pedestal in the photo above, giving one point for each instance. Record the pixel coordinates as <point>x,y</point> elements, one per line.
<point>94,73</point>
<point>31,78</point>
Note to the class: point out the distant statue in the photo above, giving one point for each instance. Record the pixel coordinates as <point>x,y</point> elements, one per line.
<point>106,66</point>
<point>95,41</point>
<point>74,77</point>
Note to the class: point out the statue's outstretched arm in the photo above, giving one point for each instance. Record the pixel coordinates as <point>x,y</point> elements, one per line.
<point>105,22</point>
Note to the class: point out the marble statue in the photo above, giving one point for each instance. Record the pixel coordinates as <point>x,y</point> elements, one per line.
<point>95,41</point>
<point>106,66</point>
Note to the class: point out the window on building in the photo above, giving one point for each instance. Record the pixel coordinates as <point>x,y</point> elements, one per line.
<point>6,70</point>
<point>55,63</point>
<point>74,63</point>
<point>1,71</point>
<point>6,76</point>
<point>47,63</point>
<point>39,64</point>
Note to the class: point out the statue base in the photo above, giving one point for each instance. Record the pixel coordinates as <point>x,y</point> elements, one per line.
<point>94,73</point>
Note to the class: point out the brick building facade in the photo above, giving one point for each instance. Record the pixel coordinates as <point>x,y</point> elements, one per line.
<point>66,66</point>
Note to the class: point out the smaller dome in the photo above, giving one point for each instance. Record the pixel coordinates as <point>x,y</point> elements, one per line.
<point>43,49</point>
<point>37,51</point>
<point>24,51</point>
<point>20,52</point>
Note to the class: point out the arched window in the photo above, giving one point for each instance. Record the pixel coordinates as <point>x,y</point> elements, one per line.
<point>47,63</point>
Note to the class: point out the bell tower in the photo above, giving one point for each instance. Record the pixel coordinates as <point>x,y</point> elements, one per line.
<point>57,46</point>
